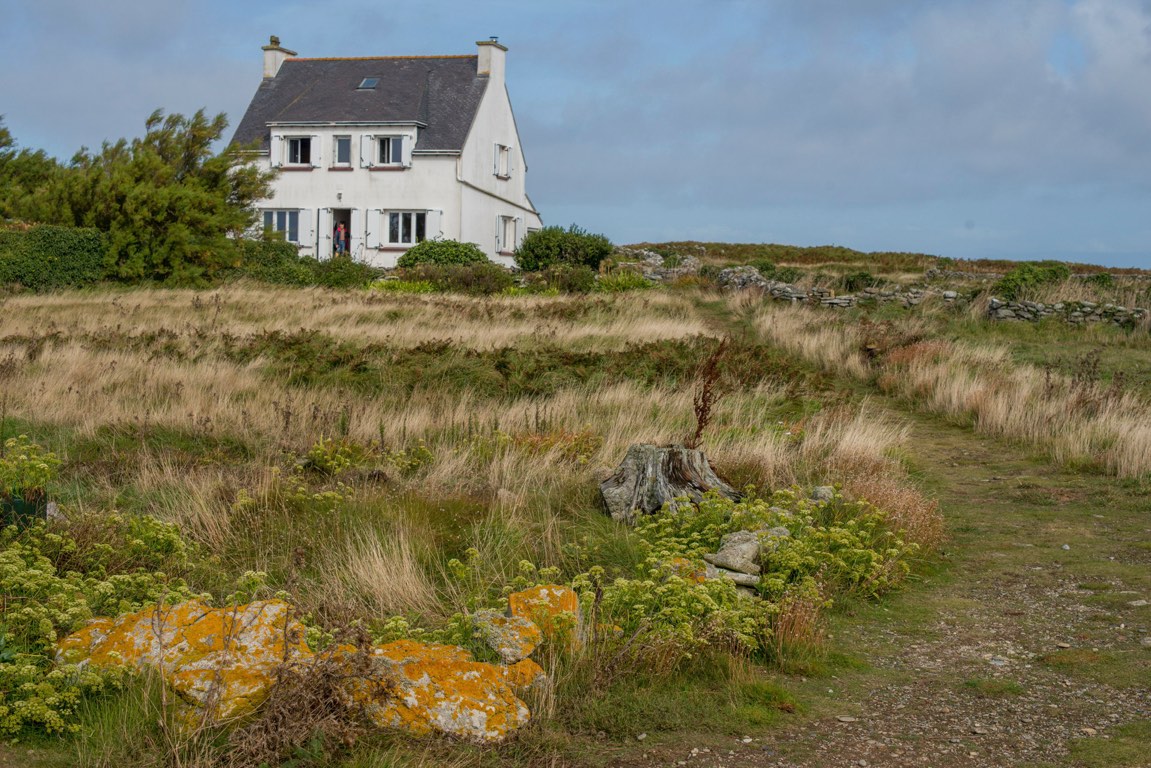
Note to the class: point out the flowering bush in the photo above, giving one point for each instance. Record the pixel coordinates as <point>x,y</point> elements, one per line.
<point>42,604</point>
<point>25,466</point>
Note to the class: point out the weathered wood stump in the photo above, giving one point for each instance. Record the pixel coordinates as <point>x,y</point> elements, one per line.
<point>652,475</point>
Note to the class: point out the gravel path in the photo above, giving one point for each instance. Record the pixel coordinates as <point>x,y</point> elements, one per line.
<point>1035,638</point>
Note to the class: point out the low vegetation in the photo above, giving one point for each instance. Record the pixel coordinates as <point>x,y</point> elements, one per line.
<point>395,456</point>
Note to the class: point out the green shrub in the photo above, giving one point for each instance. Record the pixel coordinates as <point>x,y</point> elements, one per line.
<point>857,281</point>
<point>568,278</point>
<point>788,274</point>
<point>273,261</point>
<point>765,267</point>
<point>479,279</point>
<point>1101,280</point>
<point>556,245</point>
<point>622,280</point>
<point>442,252</point>
<point>393,285</point>
<point>1030,275</point>
<point>53,580</point>
<point>51,257</point>
<point>341,273</point>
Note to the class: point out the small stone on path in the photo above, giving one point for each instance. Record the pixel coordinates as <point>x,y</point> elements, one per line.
<point>845,719</point>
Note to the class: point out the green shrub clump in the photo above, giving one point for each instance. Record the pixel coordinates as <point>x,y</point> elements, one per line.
<point>442,252</point>
<point>556,245</point>
<point>1030,275</point>
<point>622,280</point>
<point>274,260</point>
<point>478,279</point>
<point>52,257</point>
<point>56,578</point>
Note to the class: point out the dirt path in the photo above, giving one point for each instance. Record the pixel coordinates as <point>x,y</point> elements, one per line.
<point>1031,649</point>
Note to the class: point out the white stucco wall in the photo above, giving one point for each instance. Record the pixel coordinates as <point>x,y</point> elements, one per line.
<point>464,197</point>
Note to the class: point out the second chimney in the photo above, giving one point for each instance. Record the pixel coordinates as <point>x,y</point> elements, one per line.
<point>492,56</point>
<point>274,55</point>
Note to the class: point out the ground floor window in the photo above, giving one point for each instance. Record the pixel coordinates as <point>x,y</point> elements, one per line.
<point>506,235</point>
<point>407,227</point>
<point>287,222</point>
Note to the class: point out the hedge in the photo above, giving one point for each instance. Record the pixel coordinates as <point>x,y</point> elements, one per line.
<point>48,257</point>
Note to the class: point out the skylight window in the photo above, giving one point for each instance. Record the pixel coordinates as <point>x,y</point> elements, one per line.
<point>368,83</point>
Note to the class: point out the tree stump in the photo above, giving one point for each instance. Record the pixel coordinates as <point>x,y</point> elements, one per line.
<point>652,475</point>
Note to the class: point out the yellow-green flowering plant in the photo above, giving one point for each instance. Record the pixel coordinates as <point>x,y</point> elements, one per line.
<point>25,468</point>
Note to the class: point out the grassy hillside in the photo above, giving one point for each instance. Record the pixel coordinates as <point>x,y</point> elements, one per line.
<point>398,462</point>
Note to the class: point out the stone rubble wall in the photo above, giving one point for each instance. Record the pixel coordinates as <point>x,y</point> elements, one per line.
<point>1074,312</point>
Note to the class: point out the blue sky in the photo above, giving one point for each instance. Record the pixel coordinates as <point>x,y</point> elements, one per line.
<point>965,128</point>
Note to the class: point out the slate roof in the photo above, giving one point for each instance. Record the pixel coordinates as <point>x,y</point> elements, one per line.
<point>442,91</point>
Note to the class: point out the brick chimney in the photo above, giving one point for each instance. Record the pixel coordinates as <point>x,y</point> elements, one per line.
<point>492,57</point>
<point>274,55</point>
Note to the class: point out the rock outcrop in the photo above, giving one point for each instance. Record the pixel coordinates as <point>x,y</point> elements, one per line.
<point>221,662</point>
<point>441,688</point>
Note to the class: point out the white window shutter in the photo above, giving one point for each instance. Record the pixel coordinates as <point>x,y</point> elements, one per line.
<point>355,230</point>
<point>496,161</point>
<point>367,147</point>
<point>511,160</point>
<point>434,224</point>
<point>315,151</point>
<point>277,153</point>
<point>307,232</point>
<point>499,231</point>
<point>372,222</point>
<point>325,243</point>
<point>405,150</point>
<point>519,233</point>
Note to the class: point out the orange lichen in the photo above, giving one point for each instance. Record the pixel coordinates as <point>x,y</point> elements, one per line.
<point>686,569</point>
<point>222,660</point>
<point>523,674</point>
<point>554,609</point>
<point>441,688</point>
<point>512,637</point>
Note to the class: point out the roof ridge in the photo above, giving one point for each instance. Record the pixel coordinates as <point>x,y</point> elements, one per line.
<point>377,58</point>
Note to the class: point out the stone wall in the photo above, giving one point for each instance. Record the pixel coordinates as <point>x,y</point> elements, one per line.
<point>1075,312</point>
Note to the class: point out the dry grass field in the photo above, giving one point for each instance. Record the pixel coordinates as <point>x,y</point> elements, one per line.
<point>349,449</point>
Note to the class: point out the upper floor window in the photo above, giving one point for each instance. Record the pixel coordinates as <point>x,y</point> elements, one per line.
<point>343,150</point>
<point>300,150</point>
<point>503,161</point>
<point>391,150</point>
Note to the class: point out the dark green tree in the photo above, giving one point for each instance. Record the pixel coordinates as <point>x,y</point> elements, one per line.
<point>25,175</point>
<point>171,207</point>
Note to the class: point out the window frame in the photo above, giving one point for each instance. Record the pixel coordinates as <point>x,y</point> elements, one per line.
<point>282,220</point>
<point>415,221</point>
<point>336,162</point>
<point>395,150</point>
<point>503,161</point>
<point>297,143</point>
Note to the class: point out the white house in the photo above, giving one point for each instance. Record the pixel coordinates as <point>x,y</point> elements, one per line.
<point>398,149</point>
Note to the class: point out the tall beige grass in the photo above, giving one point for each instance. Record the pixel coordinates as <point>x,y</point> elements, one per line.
<point>521,461</point>
<point>1075,422</point>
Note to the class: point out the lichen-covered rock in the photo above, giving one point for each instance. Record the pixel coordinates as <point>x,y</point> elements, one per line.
<point>686,569</point>
<point>524,674</point>
<point>441,688</point>
<point>222,661</point>
<point>512,637</point>
<point>553,608</point>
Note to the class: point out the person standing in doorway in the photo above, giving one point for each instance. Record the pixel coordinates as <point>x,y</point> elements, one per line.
<point>340,238</point>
